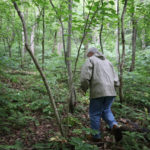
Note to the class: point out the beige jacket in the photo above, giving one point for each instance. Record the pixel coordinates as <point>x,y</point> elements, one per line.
<point>98,74</point>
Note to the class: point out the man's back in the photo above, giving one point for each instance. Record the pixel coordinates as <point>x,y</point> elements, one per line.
<point>99,72</point>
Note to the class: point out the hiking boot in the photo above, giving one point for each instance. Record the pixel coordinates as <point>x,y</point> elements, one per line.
<point>95,141</point>
<point>117,132</point>
<point>92,139</point>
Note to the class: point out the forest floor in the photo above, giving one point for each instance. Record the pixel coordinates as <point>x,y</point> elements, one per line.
<point>30,124</point>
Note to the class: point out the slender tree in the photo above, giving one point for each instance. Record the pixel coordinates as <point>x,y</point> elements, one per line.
<point>123,52</point>
<point>85,31</point>
<point>62,27</point>
<point>38,68</point>
<point>58,41</point>
<point>118,35</point>
<point>37,15</point>
<point>134,31</point>
<point>10,41</point>
<point>32,39</point>
<point>101,31</point>
<point>23,40</point>
<point>43,36</point>
<point>67,54</point>
<point>55,41</point>
<point>72,98</point>
<point>23,49</point>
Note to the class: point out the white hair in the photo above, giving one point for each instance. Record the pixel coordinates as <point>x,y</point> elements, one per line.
<point>93,50</point>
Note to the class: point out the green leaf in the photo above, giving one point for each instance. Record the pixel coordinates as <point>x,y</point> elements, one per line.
<point>26,4</point>
<point>94,8</point>
<point>78,1</point>
<point>112,2</point>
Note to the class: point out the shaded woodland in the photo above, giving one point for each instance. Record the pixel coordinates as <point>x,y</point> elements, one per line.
<point>43,45</point>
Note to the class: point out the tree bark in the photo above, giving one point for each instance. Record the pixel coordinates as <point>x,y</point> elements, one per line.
<point>143,33</point>
<point>19,48</point>
<point>123,52</point>
<point>143,39</point>
<point>59,43</point>
<point>43,37</point>
<point>4,46</point>
<point>118,36</point>
<point>100,37</point>
<point>101,31</point>
<point>39,69</point>
<point>83,9</point>
<point>55,41</point>
<point>23,50</point>
<point>132,66</point>
<point>72,97</point>
<point>86,45</point>
<point>9,50</point>
<point>32,38</point>
<point>10,41</point>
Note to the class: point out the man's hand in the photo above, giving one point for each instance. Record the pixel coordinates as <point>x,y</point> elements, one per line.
<point>83,91</point>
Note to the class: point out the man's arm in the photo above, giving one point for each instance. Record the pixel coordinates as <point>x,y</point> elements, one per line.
<point>86,74</point>
<point>116,79</point>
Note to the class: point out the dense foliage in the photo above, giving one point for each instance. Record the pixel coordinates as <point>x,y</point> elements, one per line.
<point>27,119</point>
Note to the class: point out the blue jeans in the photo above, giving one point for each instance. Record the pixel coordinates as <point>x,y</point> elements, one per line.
<point>101,107</point>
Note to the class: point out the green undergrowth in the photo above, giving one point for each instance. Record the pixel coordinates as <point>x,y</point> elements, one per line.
<point>24,99</point>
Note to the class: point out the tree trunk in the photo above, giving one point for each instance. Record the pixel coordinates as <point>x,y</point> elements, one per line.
<point>55,42</point>
<point>67,54</point>
<point>40,70</point>
<point>143,33</point>
<point>23,50</point>
<point>85,31</point>
<point>100,38</point>
<point>19,47</point>
<point>9,50</point>
<point>132,66</point>
<point>43,38</point>
<point>123,52</point>
<point>118,36</point>
<point>59,43</point>
<point>72,97</point>
<point>4,46</point>
<point>10,41</point>
<point>100,33</point>
<point>62,28</point>
<point>32,38</point>
<point>83,9</point>
<point>86,45</point>
<point>143,39</point>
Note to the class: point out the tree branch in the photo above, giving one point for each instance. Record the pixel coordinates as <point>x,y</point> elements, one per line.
<point>62,26</point>
<point>86,27</point>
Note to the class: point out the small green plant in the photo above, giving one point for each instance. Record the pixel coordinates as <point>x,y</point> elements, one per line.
<point>18,146</point>
<point>134,141</point>
<point>81,145</point>
<point>72,121</point>
<point>89,131</point>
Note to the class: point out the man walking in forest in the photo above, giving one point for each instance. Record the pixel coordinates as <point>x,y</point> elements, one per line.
<point>98,74</point>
